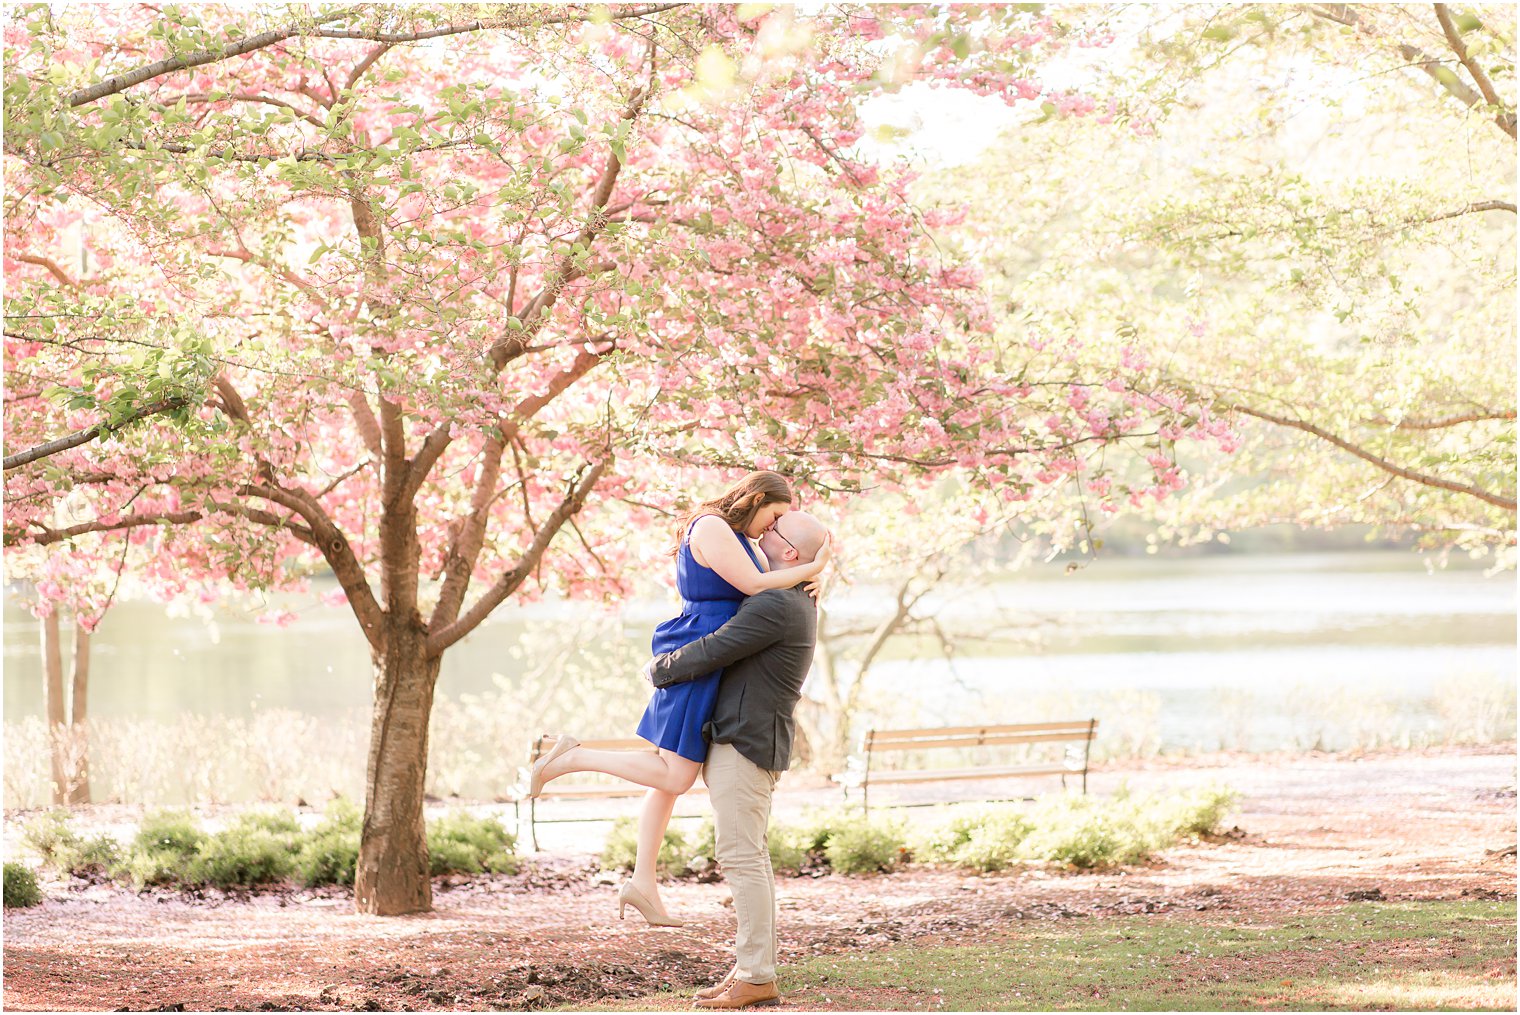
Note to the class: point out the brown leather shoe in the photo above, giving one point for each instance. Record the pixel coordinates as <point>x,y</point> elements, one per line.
<point>708,993</point>
<point>744,995</point>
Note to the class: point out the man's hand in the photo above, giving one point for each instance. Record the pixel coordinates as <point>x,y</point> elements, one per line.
<point>648,672</point>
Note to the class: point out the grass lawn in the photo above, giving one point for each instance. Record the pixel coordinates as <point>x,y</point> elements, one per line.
<point>1427,956</point>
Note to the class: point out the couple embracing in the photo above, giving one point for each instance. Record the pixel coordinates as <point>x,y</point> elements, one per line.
<point>728,673</point>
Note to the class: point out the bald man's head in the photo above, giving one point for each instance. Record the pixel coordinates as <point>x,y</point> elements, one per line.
<point>795,538</point>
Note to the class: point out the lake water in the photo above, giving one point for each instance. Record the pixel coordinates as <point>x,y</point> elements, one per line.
<point>1239,651</point>
<point>1249,652</point>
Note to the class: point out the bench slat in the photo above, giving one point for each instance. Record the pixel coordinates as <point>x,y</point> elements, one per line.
<point>988,741</point>
<point>931,775</point>
<point>1030,727</point>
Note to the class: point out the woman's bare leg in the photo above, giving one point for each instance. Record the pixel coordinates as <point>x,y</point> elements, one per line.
<point>665,771</point>
<point>654,818</point>
<point>667,775</point>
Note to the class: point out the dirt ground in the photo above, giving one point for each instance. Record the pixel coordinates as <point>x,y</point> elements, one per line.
<point>1312,830</point>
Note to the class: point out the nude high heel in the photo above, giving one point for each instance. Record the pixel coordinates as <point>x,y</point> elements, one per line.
<point>631,896</point>
<point>564,743</point>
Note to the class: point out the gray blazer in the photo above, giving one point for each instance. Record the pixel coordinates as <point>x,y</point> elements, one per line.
<point>765,653</point>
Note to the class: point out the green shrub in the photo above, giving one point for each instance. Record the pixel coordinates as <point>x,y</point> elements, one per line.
<point>866,847</point>
<point>281,824</point>
<point>785,842</point>
<point>994,842</point>
<point>49,832</point>
<point>330,853</point>
<point>168,833</point>
<point>702,847</point>
<point>259,847</point>
<point>1084,840</point>
<point>162,851</point>
<point>819,825</point>
<point>855,845</point>
<point>788,847</point>
<point>622,846</point>
<point>938,843</point>
<point>329,858</point>
<point>1079,831</point>
<point>20,886</point>
<point>241,857</point>
<point>1198,811</point>
<point>983,837</point>
<point>1087,832</point>
<point>142,868</point>
<point>62,849</point>
<point>460,842</point>
<point>97,855</point>
<point>447,856</point>
<point>341,814</point>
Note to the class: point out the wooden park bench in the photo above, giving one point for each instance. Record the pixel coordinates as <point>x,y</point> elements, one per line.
<point>576,786</point>
<point>1078,732</point>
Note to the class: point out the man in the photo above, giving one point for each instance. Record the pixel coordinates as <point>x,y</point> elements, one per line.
<point>765,652</point>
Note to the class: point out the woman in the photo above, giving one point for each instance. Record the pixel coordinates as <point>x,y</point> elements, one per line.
<point>716,567</point>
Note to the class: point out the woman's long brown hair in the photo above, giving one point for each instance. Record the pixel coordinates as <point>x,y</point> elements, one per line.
<point>740,503</point>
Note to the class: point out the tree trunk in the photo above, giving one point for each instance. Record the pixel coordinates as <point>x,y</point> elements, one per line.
<point>52,693</point>
<point>392,876</point>
<point>79,778</point>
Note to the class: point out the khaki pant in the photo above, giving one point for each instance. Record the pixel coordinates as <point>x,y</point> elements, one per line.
<point>741,799</point>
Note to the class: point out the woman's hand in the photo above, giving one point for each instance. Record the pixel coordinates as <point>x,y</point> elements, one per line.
<point>814,587</point>
<point>825,552</point>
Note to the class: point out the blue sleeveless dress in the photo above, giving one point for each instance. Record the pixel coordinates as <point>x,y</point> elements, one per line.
<point>676,714</point>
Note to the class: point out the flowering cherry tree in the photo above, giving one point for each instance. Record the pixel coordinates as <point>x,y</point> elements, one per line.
<point>412,298</point>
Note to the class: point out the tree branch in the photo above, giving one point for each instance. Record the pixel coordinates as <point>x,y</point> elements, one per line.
<point>268,518</point>
<point>1474,208</point>
<point>513,344</point>
<point>326,536</point>
<point>1443,423</point>
<point>248,257</point>
<point>50,265</point>
<point>231,402</point>
<point>338,553</point>
<point>1504,118</point>
<point>467,546</point>
<point>268,100</point>
<point>121,82</point>
<point>1424,479</point>
<point>1344,14</point>
<point>574,500</point>
<point>49,536</point>
<point>89,434</point>
<point>395,38</point>
<point>365,421</point>
<point>510,345</point>
<point>364,65</point>
<point>313,29</point>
